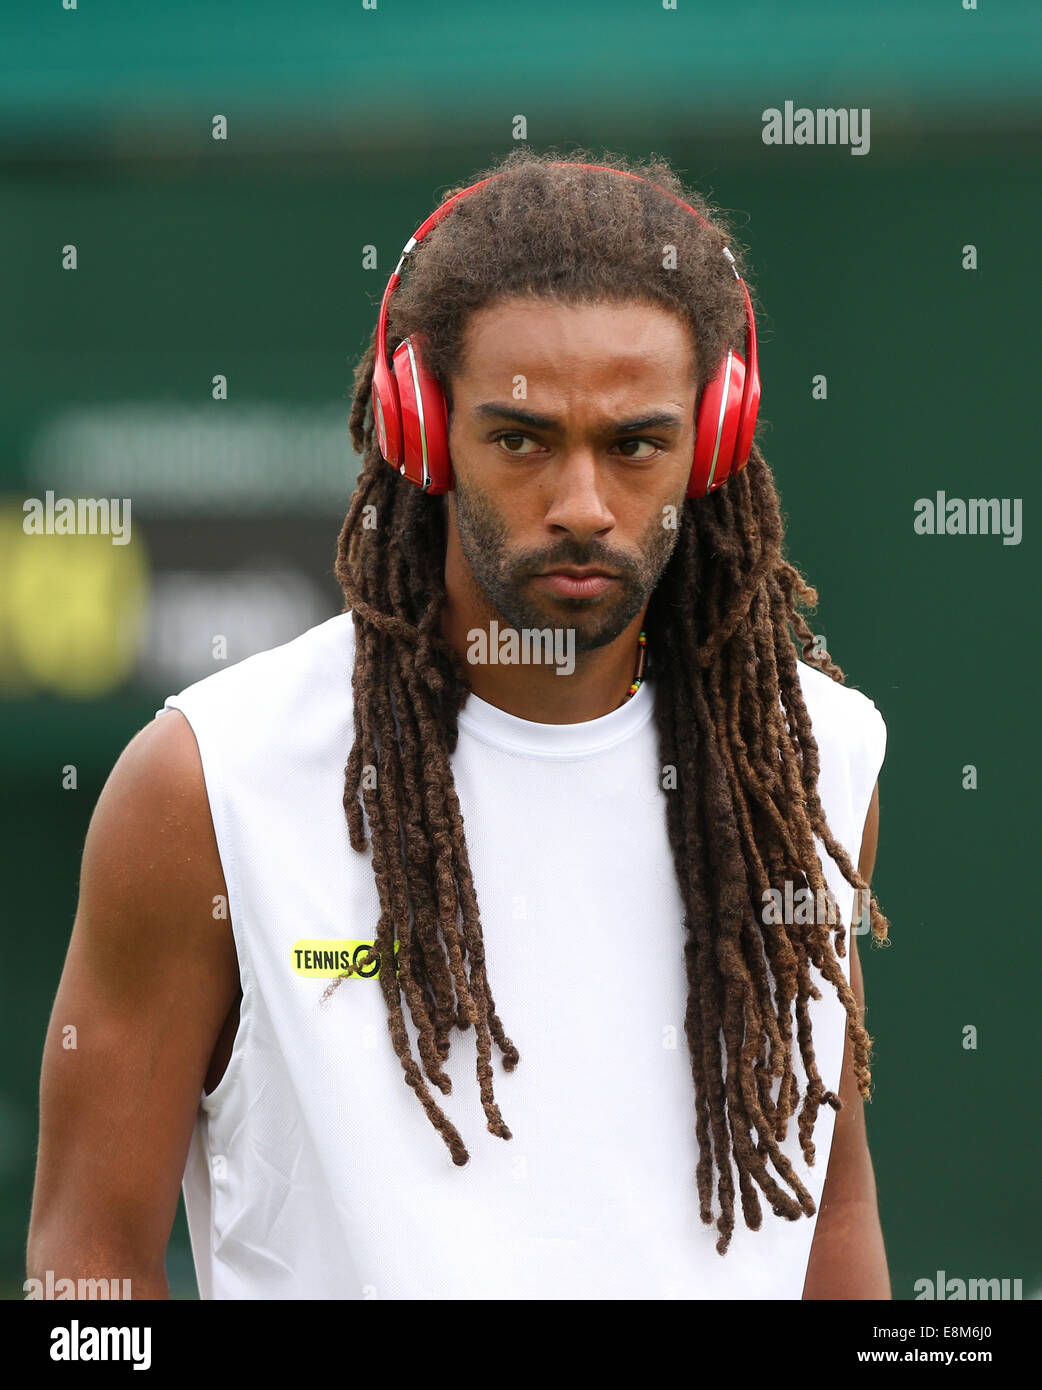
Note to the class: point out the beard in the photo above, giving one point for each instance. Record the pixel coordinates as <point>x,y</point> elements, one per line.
<point>504,576</point>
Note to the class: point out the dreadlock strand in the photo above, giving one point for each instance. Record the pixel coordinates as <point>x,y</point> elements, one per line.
<point>381,860</point>
<point>739,1001</point>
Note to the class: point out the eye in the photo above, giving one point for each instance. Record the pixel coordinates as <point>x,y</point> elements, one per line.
<point>649,443</point>
<point>508,436</point>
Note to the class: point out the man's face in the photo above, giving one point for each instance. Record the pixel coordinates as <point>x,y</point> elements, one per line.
<point>571,436</point>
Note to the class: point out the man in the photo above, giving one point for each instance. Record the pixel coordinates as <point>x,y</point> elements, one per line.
<point>584,769</point>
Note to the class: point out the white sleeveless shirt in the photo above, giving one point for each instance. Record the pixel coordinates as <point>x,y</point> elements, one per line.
<point>313,1170</point>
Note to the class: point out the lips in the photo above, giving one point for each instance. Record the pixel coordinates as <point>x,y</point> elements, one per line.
<point>576,584</point>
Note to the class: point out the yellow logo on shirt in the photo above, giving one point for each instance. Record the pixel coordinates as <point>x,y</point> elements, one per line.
<point>331,959</point>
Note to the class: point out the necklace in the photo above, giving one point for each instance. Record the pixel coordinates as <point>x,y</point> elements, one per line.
<point>638,679</point>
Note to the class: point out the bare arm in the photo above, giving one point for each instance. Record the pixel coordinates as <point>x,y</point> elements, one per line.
<point>848,1257</point>
<point>149,983</point>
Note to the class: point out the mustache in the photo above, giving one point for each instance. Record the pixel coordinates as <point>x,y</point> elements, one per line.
<point>622,565</point>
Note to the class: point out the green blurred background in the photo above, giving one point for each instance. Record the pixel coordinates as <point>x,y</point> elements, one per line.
<point>244,257</point>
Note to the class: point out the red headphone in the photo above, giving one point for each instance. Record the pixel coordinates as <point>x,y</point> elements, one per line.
<point>412,418</point>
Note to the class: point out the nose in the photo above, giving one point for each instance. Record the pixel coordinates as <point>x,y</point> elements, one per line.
<point>577,502</point>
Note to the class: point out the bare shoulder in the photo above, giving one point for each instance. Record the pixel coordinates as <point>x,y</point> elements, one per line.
<point>159,770</point>
<point>151,882</point>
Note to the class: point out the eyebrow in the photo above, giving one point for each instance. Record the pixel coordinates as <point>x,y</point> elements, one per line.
<point>661,419</point>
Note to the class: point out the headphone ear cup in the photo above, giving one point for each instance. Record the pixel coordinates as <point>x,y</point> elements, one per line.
<point>717,428</point>
<point>424,420</point>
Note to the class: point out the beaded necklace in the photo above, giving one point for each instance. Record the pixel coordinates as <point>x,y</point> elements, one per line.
<point>638,679</point>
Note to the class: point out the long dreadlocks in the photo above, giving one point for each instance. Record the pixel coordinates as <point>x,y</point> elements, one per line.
<point>729,711</point>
